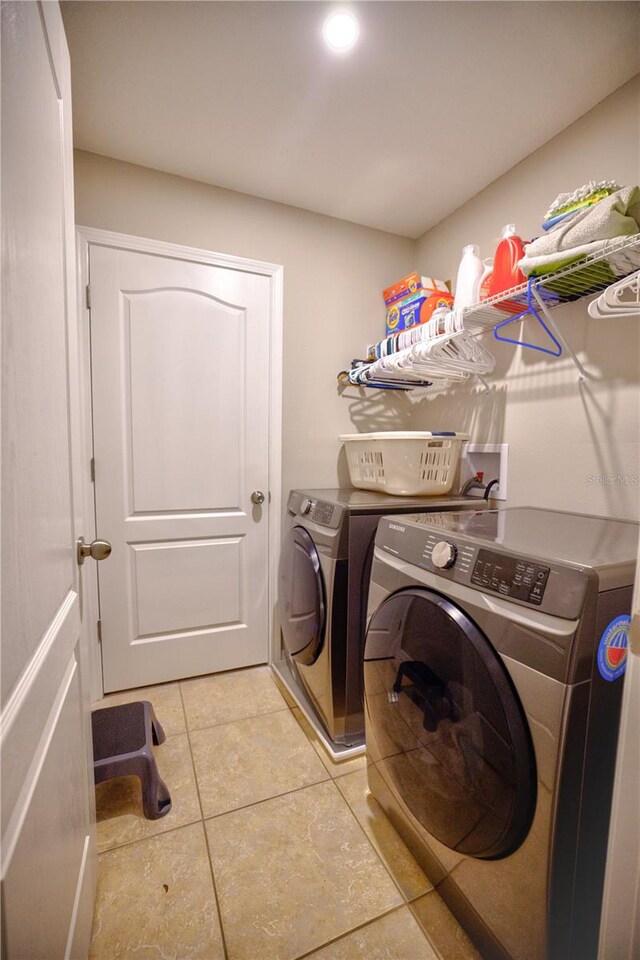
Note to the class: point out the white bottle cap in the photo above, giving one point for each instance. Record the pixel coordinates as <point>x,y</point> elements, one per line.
<point>472,248</point>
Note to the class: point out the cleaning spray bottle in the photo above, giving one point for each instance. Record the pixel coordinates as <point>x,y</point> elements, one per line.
<point>469,276</point>
<point>506,272</point>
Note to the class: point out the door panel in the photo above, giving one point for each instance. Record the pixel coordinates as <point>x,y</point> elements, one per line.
<point>181,425</point>
<point>185,446</point>
<point>210,572</point>
<point>58,828</point>
<point>301,597</point>
<point>35,395</point>
<point>48,844</point>
<point>446,727</point>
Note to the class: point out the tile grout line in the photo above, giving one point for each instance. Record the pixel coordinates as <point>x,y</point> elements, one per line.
<point>276,796</point>
<point>193,766</point>
<point>151,836</point>
<point>204,829</point>
<point>399,906</point>
<point>326,778</point>
<point>204,822</point>
<point>405,901</point>
<point>436,949</point>
<point>359,926</point>
<point>222,723</point>
<point>256,716</point>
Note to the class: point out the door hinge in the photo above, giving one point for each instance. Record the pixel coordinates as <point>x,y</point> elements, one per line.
<point>88,296</point>
<point>92,468</point>
<point>99,630</point>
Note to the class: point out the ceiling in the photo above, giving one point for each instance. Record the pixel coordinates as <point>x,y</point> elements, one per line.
<point>436,100</point>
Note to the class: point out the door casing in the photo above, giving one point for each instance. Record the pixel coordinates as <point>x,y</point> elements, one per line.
<point>85,237</point>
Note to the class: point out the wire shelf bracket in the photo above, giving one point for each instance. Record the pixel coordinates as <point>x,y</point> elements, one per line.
<point>548,324</point>
<point>559,338</point>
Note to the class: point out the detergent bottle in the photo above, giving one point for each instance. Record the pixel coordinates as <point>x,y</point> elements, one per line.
<point>469,276</point>
<point>506,273</point>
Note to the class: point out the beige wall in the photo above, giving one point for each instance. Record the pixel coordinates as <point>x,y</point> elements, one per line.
<point>561,435</point>
<point>333,275</point>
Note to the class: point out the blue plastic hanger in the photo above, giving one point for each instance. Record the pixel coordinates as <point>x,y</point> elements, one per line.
<point>530,310</point>
<point>361,380</point>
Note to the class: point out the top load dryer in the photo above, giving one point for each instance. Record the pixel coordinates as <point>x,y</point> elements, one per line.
<point>322,599</point>
<point>493,677</point>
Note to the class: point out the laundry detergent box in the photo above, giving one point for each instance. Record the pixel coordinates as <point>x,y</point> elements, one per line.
<point>416,309</point>
<point>401,289</point>
<point>410,285</point>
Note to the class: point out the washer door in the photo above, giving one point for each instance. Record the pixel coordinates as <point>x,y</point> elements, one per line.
<point>446,727</point>
<point>301,597</point>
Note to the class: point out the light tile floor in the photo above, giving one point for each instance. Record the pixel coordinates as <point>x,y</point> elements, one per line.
<point>271,851</point>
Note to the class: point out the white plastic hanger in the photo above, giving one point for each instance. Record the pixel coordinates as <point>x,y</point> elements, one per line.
<point>620,299</point>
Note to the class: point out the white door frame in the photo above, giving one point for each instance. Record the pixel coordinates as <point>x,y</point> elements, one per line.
<point>86,236</point>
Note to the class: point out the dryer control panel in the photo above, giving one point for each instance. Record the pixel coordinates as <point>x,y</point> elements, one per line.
<point>321,512</point>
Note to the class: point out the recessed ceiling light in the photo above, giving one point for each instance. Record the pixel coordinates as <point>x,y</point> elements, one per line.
<point>340,30</point>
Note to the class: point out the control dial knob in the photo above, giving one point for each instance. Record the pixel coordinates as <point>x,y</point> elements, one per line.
<point>305,506</point>
<point>444,554</point>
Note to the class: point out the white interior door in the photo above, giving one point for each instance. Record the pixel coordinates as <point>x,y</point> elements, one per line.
<point>180,374</point>
<point>48,846</point>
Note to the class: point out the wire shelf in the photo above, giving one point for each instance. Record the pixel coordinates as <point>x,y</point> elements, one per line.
<point>590,275</point>
<point>612,261</point>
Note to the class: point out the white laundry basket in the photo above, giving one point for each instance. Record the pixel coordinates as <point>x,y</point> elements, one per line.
<point>407,463</point>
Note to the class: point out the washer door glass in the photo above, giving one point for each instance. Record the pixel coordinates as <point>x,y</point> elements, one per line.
<point>301,596</point>
<point>445,725</point>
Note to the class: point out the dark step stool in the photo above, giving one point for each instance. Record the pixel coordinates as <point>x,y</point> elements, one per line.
<point>122,738</point>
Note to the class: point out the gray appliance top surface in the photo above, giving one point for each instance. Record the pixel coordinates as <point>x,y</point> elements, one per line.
<point>572,538</point>
<point>366,501</point>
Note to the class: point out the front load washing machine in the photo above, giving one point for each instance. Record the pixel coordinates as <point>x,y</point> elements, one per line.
<point>493,669</point>
<point>322,599</point>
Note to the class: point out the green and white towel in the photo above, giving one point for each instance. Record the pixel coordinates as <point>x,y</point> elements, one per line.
<point>617,215</point>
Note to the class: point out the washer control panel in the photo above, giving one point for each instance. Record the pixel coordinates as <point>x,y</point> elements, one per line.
<point>459,555</point>
<point>510,576</point>
<point>447,558</point>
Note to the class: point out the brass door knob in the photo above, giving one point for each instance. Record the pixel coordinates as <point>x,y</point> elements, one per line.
<point>97,550</point>
<point>257,497</point>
